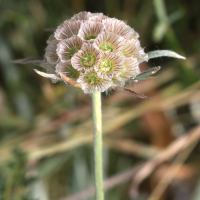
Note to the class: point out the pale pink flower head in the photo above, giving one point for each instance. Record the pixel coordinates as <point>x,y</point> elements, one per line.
<point>94,51</point>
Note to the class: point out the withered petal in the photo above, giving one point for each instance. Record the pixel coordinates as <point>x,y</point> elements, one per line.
<point>46,75</point>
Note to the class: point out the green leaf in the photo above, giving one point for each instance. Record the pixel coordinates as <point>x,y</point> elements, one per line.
<point>147,74</point>
<point>161,53</point>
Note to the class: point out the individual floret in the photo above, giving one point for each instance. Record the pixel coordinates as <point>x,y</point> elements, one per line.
<point>90,82</point>
<point>86,58</point>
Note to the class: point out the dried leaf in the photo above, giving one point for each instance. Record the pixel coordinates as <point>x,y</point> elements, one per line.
<point>51,76</point>
<point>70,81</point>
<point>129,91</point>
<point>36,61</point>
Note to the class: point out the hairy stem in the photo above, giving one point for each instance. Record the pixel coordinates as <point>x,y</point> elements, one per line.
<point>97,131</point>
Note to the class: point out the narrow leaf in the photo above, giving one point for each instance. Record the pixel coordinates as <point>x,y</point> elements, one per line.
<point>146,74</point>
<point>28,60</point>
<point>161,53</point>
<point>129,91</point>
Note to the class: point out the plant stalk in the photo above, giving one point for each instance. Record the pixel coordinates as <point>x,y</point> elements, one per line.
<point>97,133</point>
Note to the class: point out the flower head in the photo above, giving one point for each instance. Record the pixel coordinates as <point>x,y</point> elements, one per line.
<point>93,52</point>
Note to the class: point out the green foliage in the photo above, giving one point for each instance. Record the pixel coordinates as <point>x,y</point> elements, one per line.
<point>147,74</point>
<point>13,180</point>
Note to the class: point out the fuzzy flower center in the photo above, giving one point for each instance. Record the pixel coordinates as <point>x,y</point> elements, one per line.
<point>89,60</point>
<point>91,37</point>
<point>73,72</point>
<point>121,73</point>
<point>92,78</point>
<point>106,47</point>
<point>106,66</point>
<point>73,51</point>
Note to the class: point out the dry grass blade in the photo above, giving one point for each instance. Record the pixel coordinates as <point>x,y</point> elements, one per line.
<point>131,147</point>
<point>111,126</point>
<point>70,81</point>
<point>164,155</point>
<point>147,167</point>
<point>170,174</point>
<point>108,184</point>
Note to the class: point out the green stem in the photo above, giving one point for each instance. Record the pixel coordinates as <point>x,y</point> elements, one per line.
<point>97,131</point>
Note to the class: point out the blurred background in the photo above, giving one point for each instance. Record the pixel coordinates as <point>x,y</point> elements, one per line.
<point>151,147</point>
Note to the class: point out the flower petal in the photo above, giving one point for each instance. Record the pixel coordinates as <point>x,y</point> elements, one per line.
<point>90,30</point>
<point>111,64</point>
<point>120,28</point>
<point>51,38</point>
<point>131,69</point>
<point>50,53</point>
<point>67,48</point>
<point>134,49</point>
<point>88,57</point>
<point>67,70</point>
<point>97,17</point>
<point>67,29</point>
<point>90,82</point>
<point>117,82</point>
<point>110,42</point>
<point>81,16</point>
